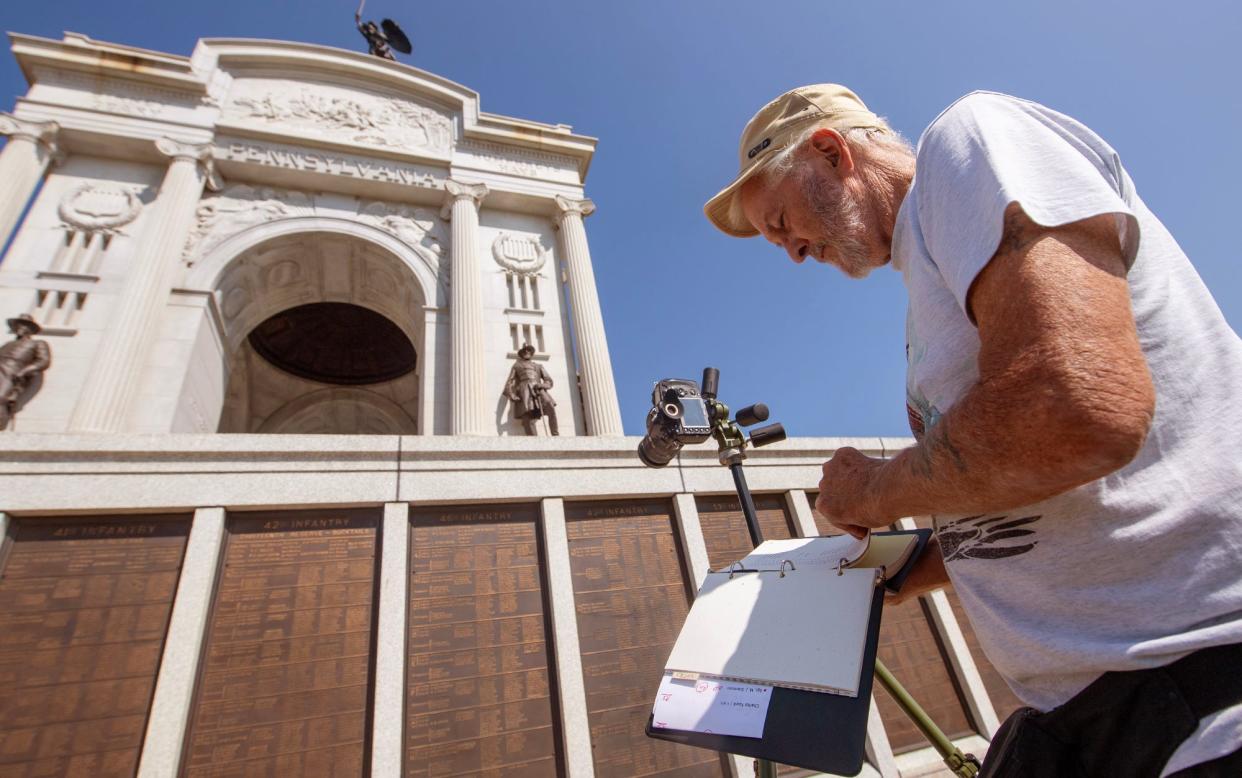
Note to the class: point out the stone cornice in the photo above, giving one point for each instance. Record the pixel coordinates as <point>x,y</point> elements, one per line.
<point>77,52</point>
<point>50,473</point>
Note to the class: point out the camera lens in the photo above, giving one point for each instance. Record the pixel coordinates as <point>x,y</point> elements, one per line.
<point>660,444</point>
<point>651,456</point>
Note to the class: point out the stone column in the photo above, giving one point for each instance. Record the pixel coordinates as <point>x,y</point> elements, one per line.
<point>468,377</point>
<point>24,160</point>
<point>599,391</point>
<point>104,403</point>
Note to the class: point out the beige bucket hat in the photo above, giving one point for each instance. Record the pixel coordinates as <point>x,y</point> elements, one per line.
<point>777,125</point>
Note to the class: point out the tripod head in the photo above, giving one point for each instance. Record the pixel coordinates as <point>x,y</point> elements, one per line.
<point>682,413</point>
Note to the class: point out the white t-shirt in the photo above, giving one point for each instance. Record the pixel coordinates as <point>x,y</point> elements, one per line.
<point>1135,569</point>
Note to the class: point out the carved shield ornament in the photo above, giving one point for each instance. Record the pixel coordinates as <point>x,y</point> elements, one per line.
<point>522,254</point>
<point>91,207</point>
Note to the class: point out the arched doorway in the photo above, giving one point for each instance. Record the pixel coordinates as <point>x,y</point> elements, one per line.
<point>323,333</point>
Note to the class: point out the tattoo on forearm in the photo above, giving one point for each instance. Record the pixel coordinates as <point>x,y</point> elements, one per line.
<point>940,439</point>
<point>936,442</point>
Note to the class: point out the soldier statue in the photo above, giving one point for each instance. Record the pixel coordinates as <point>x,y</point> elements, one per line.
<point>527,388</point>
<point>20,361</point>
<point>382,41</point>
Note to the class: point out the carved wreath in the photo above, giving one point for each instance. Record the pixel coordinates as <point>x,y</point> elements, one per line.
<point>521,254</point>
<point>93,208</point>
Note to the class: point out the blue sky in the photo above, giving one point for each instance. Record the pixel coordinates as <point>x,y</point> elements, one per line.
<point>666,87</point>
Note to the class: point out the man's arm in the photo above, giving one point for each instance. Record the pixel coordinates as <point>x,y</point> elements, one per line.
<point>927,574</point>
<point>42,360</point>
<point>1064,395</point>
<point>511,389</point>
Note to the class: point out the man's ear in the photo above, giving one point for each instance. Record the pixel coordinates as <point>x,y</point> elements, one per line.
<point>830,145</point>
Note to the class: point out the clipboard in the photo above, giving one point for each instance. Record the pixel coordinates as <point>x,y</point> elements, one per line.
<point>813,730</point>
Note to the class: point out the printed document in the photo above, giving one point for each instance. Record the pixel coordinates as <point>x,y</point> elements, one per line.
<point>715,707</point>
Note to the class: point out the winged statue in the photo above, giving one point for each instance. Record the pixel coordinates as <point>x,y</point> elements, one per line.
<point>382,38</point>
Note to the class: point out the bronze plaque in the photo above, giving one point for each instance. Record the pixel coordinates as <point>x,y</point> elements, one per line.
<point>285,678</point>
<point>480,695</point>
<point>631,597</point>
<point>84,609</point>
<point>724,526</point>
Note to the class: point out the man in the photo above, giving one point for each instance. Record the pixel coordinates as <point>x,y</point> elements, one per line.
<point>21,360</point>
<point>527,388</point>
<point>1070,385</point>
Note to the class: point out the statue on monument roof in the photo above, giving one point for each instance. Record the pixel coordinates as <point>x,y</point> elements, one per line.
<point>382,38</point>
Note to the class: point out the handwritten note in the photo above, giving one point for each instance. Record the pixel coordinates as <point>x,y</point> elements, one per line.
<point>715,707</point>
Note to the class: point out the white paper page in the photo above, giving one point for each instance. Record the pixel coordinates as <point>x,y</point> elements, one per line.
<point>824,552</point>
<point>716,707</point>
<point>805,630</point>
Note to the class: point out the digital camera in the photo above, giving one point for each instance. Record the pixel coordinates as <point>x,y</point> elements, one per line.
<point>679,415</point>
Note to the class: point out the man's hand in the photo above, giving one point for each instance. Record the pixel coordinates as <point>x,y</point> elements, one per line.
<point>846,492</point>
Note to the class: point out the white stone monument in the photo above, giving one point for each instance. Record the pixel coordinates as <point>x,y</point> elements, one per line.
<point>186,202</point>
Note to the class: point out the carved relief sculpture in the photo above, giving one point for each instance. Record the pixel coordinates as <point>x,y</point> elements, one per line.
<point>410,225</point>
<point>94,208</point>
<point>527,388</point>
<point>521,254</point>
<point>371,120</point>
<point>238,207</point>
<point>21,361</point>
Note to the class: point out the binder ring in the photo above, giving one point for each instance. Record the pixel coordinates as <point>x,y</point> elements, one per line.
<point>786,562</point>
<point>735,567</point>
<point>841,566</point>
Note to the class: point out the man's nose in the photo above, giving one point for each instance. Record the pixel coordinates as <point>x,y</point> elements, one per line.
<point>796,248</point>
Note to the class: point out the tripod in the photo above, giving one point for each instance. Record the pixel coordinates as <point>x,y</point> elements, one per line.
<point>732,444</point>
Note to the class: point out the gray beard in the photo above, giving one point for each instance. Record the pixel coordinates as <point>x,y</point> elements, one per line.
<point>841,215</point>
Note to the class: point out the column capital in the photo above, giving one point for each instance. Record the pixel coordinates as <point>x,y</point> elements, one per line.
<point>461,190</point>
<point>198,153</point>
<point>42,133</point>
<point>565,206</point>
<point>177,149</point>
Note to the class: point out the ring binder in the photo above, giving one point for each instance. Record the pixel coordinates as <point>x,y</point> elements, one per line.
<point>737,567</point>
<point>796,731</point>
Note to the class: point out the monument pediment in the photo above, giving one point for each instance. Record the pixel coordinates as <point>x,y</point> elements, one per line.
<point>343,97</point>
